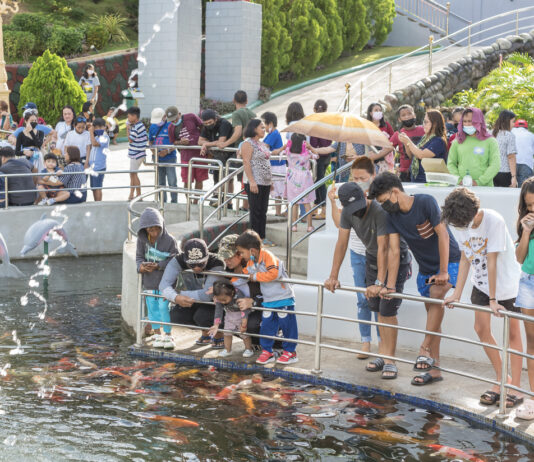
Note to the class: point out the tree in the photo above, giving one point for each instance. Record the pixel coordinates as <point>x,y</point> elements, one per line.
<point>51,85</point>
<point>332,29</point>
<point>355,32</point>
<point>380,17</point>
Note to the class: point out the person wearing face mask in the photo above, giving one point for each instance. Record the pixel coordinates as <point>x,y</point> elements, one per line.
<point>384,158</point>
<point>488,249</point>
<point>90,85</point>
<point>475,150</point>
<point>408,122</point>
<point>387,265</point>
<point>30,140</point>
<point>417,219</point>
<point>80,138</point>
<point>98,156</point>
<point>274,141</point>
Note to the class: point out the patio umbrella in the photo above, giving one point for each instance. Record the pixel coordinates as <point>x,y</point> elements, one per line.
<point>340,126</point>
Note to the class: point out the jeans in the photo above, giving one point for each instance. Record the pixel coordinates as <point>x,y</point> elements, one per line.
<point>258,205</point>
<point>168,173</point>
<point>322,163</point>
<point>357,262</point>
<point>524,172</point>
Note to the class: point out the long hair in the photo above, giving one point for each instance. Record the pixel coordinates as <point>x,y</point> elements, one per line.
<point>503,122</point>
<point>370,111</point>
<point>528,187</point>
<point>294,112</point>
<point>89,66</point>
<point>73,115</point>
<point>438,124</point>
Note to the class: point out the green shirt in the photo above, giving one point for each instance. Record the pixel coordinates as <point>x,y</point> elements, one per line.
<point>528,264</point>
<point>241,118</point>
<point>481,159</point>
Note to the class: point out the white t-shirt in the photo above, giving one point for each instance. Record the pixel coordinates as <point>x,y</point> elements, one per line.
<point>62,128</point>
<point>492,235</point>
<point>355,244</point>
<point>82,140</point>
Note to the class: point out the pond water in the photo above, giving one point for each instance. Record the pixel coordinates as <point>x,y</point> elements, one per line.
<point>72,393</point>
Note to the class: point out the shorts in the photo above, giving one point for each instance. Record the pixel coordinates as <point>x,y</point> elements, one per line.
<point>223,156</point>
<point>232,321</point>
<point>76,198</point>
<point>279,183</point>
<point>424,288</point>
<point>197,174</point>
<point>525,296</point>
<point>480,298</point>
<point>382,306</point>
<point>96,181</point>
<point>135,164</point>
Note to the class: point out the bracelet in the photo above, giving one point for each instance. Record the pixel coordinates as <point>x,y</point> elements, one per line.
<point>492,299</point>
<point>390,288</point>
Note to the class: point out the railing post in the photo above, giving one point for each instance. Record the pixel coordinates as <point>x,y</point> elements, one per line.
<point>139,333</point>
<point>289,240</point>
<point>156,174</point>
<point>469,39</point>
<point>430,43</point>
<point>225,190</point>
<point>504,365</point>
<point>220,193</point>
<point>318,330</point>
<point>347,98</point>
<point>390,78</point>
<point>517,23</point>
<point>6,192</point>
<point>361,97</point>
<point>201,218</point>
<point>448,14</point>
<point>188,198</point>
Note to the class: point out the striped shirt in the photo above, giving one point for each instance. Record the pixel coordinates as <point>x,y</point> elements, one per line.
<point>74,181</point>
<point>138,141</point>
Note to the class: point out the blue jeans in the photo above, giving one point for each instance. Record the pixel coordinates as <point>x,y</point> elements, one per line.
<point>357,262</point>
<point>158,310</point>
<point>524,172</point>
<point>168,173</point>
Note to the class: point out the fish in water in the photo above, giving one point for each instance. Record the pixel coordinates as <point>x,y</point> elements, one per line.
<point>226,391</point>
<point>447,451</point>
<point>248,401</point>
<point>41,230</point>
<point>184,374</point>
<point>388,437</point>
<point>7,269</point>
<point>174,421</point>
<point>86,363</point>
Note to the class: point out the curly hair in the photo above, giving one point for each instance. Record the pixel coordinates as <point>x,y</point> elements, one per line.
<point>460,207</point>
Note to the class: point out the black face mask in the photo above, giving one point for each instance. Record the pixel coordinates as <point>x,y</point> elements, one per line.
<point>360,213</point>
<point>391,207</point>
<point>33,124</point>
<point>409,123</point>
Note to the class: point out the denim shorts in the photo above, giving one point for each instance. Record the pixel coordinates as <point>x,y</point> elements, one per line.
<point>525,296</point>
<point>424,288</point>
<point>96,180</point>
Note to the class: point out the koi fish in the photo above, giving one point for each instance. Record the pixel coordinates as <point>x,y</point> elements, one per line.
<point>175,436</point>
<point>83,353</point>
<point>257,397</point>
<point>447,451</point>
<point>226,391</point>
<point>86,363</point>
<point>249,402</point>
<point>174,421</point>
<point>184,374</point>
<point>388,437</point>
<point>367,404</point>
<point>307,420</point>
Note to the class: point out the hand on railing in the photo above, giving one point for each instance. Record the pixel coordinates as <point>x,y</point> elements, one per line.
<point>332,284</point>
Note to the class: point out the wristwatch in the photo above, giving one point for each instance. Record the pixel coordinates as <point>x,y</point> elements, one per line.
<point>379,283</point>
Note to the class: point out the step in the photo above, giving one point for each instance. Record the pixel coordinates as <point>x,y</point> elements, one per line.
<point>277,232</point>
<point>299,260</point>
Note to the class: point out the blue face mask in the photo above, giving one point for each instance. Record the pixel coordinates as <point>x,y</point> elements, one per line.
<point>470,130</point>
<point>178,122</point>
<point>99,132</point>
<point>252,258</point>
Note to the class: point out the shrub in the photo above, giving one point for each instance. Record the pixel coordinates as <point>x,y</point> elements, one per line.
<point>222,107</point>
<point>332,30</point>
<point>114,25</point>
<point>77,13</point>
<point>380,17</point>
<point>35,23</point>
<point>18,45</point>
<point>355,32</point>
<point>97,36</point>
<point>65,41</point>
<point>51,85</point>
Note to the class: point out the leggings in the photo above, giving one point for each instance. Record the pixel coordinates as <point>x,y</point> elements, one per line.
<point>258,204</point>
<point>158,310</point>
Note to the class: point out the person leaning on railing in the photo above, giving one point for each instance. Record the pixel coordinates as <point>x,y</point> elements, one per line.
<point>12,165</point>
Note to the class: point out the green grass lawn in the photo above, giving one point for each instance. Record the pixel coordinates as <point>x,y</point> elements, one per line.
<point>362,57</point>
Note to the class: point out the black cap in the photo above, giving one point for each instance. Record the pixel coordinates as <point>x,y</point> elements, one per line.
<point>352,197</point>
<point>196,252</point>
<point>208,114</point>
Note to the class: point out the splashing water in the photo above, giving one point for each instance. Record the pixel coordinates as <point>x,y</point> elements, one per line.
<point>3,370</point>
<point>10,440</point>
<point>18,350</point>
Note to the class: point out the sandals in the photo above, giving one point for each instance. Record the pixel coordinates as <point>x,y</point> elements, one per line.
<point>217,343</point>
<point>294,229</point>
<point>513,400</point>
<point>489,398</point>
<point>375,365</point>
<point>389,372</point>
<point>526,410</point>
<point>310,229</point>
<point>426,361</point>
<point>426,379</point>
<point>204,340</point>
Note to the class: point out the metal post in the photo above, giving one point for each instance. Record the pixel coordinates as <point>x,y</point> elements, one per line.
<point>318,330</point>
<point>225,190</point>
<point>156,175</point>
<point>289,240</point>
<point>201,217</point>
<point>140,325</point>
<point>430,43</point>
<point>187,198</point>
<point>504,366</point>
<point>469,39</point>
<point>390,77</point>
<point>129,226</point>
<point>361,97</point>
<point>6,205</point>
<point>517,23</point>
<point>220,193</point>
<point>347,98</point>
<point>448,14</point>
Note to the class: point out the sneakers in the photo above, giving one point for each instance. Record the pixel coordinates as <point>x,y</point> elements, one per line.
<point>224,353</point>
<point>51,201</point>
<point>287,358</point>
<point>153,338</point>
<point>159,342</point>
<point>248,353</point>
<point>43,202</point>
<point>168,342</point>
<point>265,358</point>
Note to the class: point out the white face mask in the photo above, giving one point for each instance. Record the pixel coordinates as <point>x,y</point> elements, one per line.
<point>378,115</point>
<point>364,185</point>
<point>90,72</point>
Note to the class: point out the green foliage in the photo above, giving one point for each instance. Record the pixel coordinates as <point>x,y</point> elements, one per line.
<point>380,17</point>
<point>37,24</point>
<point>97,36</point>
<point>114,25</point>
<point>509,87</point>
<point>18,44</point>
<point>332,30</point>
<point>77,13</point>
<point>65,41</point>
<point>356,31</point>
<point>51,85</point>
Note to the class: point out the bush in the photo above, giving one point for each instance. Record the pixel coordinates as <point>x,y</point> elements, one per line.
<point>355,32</point>
<point>18,45</point>
<point>380,17</point>
<point>114,25</point>
<point>77,14</point>
<point>332,30</point>
<point>97,36</point>
<point>222,107</point>
<point>35,23</point>
<point>51,85</point>
<point>65,41</point>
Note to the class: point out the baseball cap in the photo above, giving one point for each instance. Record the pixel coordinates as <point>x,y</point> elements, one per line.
<point>521,123</point>
<point>227,248</point>
<point>156,116</point>
<point>196,252</point>
<point>172,113</point>
<point>208,114</point>
<point>30,105</point>
<point>352,197</point>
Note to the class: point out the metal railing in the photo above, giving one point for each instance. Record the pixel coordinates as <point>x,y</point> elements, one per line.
<point>319,342</point>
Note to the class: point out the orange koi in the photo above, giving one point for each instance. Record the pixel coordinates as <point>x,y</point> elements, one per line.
<point>174,421</point>
<point>388,437</point>
<point>226,392</point>
<point>249,402</point>
<point>306,420</point>
<point>184,374</point>
<point>175,436</point>
<point>447,451</point>
<point>367,404</point>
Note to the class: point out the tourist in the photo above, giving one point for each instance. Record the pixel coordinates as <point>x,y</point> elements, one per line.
<point>299,176</point>
<point>80,138</point>
<point>215,130</point>
<point>432,145</point>
<point>258,178</point>
<point>474,152</point>
<point>33,106</point>
<point>30,140</point>
<point>524,141</point>
<point>265,268</point>
<point>387,266</point>
<point>185,131</point>
<point>137,145</point>
<point>9,165</point>
<point>98,156</point>
<point>408,121</point>
<point>88,114</point>
<point>452,126</point>
<point>158,135</point>
<point>525,297</point>
<point>488,249</point>
<point>322,163</point>
<point>75,192</point>
<point>383,159</point>
<point>279,167</point>
<point>190,309</point>
<point>155,249</point>
<point>507,176</point>
<point>226,300</point>
<point>50,181</point>
<point>417,219</point>
<point>112,124</point>
<point>64,126</point>
<point>363,173</point>
<point>90,84</point>
<point>6,120</point>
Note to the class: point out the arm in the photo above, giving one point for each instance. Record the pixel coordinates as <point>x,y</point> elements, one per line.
<point>380,154</point>
<point>492,283</point>
<point>494,164</point>
<point>463,272</point>
<point>7,123</point>
<point>512,161</point>
<point>443,243</point>
<point>246,154</point>
<point>332,283</point>
<point>173,251</point>
<point>166,285</point>
<point>521,251</point>
<point>94,142</point>
<point>18,148</point>
<point>201,294</point>
<point>413,150</point>
<point>452,160</point>
<point>393,262</point>
<point>325,150</point>
<point>272,266</point>
<point>237,135</point>
<point>382,261</point>
<point>336,212</point>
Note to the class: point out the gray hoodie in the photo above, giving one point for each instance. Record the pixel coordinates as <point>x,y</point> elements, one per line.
<point>163,250</point>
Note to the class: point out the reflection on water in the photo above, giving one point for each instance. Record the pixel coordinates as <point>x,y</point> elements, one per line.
<point>74,394</point>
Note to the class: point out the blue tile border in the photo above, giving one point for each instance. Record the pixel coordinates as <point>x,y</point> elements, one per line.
<point>472,417</point>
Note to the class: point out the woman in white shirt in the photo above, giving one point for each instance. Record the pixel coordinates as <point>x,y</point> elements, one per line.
<point>64,126</point>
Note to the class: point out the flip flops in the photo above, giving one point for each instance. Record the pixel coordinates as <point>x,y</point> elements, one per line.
<point>489,398</point>
<point>426,379</point>
<point>204,340</point>
<point>392,370</point>
<point>526,410</point>
<point>426,361</point>
<point>375,365</point>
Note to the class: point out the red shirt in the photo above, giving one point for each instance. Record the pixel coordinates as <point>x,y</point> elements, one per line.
<point>415,135</point>
<point>40,120</point>
<point>387,129</point>
<point>191,125</point>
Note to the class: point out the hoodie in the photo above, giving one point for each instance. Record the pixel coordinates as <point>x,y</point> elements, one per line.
<point>163,250</point>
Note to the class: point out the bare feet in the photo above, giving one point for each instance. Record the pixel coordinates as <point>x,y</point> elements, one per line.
<point>366,346</point>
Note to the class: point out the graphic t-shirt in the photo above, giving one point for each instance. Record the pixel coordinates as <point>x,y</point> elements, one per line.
<point>158,135</point>
<point>491,235</point>
<point>417,228</point>
<point>89,86</point>
<point>415,135</point>
<point>274,141</point>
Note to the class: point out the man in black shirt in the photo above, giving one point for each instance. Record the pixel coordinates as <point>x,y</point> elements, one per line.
<point>12,165</point>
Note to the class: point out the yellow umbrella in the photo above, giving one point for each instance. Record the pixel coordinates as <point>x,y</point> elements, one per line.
<point>340,126</point>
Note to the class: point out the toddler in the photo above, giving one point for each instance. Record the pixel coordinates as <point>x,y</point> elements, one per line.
<point>49,181</point>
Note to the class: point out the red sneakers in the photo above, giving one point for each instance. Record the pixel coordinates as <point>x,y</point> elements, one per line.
<point>265,357</point>
<point>287,358</point>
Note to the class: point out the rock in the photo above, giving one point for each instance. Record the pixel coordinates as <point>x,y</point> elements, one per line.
<point>421,85</point>
<point>391,100</point>
<point>513,38</point>
<point>433,78</point>
<point>495,46</point>
<point>504,44</point>
<point>526,37</point>
<point>427,81</point>
<point>454,66</point>
<point>488,50</point>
